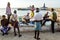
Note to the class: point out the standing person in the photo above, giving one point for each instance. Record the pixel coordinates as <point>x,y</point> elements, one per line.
<point>32,14</point>
<point>16,27</point>
<point>32,8</point>
<point>13,17</point>
<point>15,24</point>
<point>37,19</point>
<point>54,18</point>
<point>32,11</point>
<point>8,10</point>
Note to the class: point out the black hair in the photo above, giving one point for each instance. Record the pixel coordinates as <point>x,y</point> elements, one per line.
<point>15,11</point>
<point>37,9</point>
<point>3,16</point>
<point>52,9</point>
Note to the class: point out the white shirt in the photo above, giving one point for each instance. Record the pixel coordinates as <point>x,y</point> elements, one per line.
<point>27,17</point>
<point>42,12</point>
<point>15,15</point>
<point>38,16</point>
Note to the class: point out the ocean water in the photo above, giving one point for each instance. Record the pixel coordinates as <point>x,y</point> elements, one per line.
<point>20,12</point>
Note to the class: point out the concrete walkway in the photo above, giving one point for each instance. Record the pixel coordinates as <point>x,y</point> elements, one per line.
<point>30,35</point>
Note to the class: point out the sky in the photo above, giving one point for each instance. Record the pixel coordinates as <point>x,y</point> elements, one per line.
<point>27,3</point>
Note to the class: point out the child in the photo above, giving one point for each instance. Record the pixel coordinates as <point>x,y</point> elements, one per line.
<point>15,24</point>
<point>4,23</point>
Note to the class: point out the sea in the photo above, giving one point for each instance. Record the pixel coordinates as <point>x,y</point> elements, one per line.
<point>20,12</point>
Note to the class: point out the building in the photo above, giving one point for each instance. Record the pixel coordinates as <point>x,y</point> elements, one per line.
<point>44,7</point>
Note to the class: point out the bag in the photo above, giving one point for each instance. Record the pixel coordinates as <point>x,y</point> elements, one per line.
<point>20,19</point>
<point>54,16</point>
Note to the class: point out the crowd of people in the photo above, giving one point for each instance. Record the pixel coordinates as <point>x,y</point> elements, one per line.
<point>39,20</point>
<point>5,21</point>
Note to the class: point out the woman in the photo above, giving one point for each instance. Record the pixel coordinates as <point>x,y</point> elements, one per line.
<point>32,11</point>
<point>8,10</point>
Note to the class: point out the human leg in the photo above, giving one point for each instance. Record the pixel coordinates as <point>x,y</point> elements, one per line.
<point>35,34</point>
<point>52,26</point>
<point>15,31</point>
<point>19,32</point>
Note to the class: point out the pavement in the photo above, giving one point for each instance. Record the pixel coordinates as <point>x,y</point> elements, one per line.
<point>30,35</point>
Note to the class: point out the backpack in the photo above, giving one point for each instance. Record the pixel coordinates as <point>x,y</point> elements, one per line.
<point>54,16</point>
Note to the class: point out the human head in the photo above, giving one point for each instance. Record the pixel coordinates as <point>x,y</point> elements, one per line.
<point>37,9</point>
<point>32,6</point>
<point>52,9</point>
<point>27,14</point>
<point>8,4</point>
<point>15,11</point>
<point>47,12</point>
<point>3,16</point>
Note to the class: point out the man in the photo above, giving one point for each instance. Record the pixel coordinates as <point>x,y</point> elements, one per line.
<point>26,18</point>
<point>54,18</point>
<point>46,18</point>
<point>4,23</point>
<point>37,19</point>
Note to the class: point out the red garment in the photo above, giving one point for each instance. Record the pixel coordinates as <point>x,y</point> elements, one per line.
<point>16,24</point>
